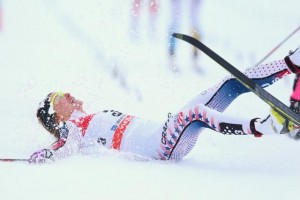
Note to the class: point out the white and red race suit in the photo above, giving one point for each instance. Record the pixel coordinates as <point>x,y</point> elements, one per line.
<point>175,137</point>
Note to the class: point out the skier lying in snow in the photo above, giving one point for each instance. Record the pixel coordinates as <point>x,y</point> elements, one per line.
<point>63,116</point>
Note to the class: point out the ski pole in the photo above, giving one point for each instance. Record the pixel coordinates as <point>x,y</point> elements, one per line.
<point>275,48</point>
<point>13,160</point>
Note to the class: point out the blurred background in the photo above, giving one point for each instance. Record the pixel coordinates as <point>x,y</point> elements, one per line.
<point>119,55</point>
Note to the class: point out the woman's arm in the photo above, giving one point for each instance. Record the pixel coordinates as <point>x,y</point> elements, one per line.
<point>66,145</point>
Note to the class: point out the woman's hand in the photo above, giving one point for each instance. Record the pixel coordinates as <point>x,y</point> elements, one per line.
<point>41,156</point>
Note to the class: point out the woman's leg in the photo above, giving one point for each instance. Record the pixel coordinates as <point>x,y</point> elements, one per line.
<point>195,10</point>
<point>296,89</point>
<point>222,95</point>
<point>135,16</point>
<point>181,131</point>
<point>153,8</point>
<point>174,24</point>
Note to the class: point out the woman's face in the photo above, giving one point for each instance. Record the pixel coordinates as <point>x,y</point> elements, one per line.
<point>64,104</point>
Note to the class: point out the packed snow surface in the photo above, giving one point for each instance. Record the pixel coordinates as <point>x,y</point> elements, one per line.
<point>87,48</point>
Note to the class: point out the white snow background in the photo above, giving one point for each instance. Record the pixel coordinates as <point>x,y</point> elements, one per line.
<point>84,47</point>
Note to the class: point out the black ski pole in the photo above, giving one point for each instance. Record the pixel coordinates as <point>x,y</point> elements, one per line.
<point>13,160</point>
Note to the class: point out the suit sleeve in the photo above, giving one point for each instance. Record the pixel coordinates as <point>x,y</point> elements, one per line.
<point>69,142</point>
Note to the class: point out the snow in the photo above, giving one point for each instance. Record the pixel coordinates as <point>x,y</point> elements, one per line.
<point>84,47</point>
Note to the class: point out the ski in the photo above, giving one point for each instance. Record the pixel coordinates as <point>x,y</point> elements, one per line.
<point>243,79</point>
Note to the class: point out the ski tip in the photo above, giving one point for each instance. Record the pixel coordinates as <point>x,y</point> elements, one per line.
<point>177,35</point>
